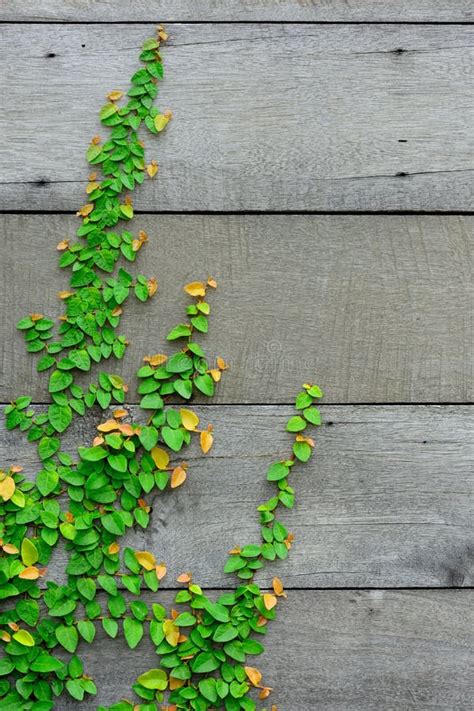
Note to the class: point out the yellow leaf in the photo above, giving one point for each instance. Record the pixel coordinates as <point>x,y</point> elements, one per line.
<point>5,636</point>
<point>61,246</point>
<point>146,559</point>
<point>171,632</point>
<point>269,601</point>
<point>119,413</point>
<point>189,419</point>
<point>36,317</point>
<point>156,359</point>
<point>178,477</point>
<point>90,187</point>
<point>161,120</point>
<point>160,457</point>
<point>215,374</point>
<point>7,488</point>
<point>206,439</point>
<point>30,573</point>
<point>253,675</point>
<point>29,552</point>
<point>278,588</point>
<point>65,294</point>
<point>114,95</point>
<point>195,288</point>
<point>10,548</point>
<point>24,638</point>
<point>265,693</point>
<point>85,210</point>
<point>108,426</point>
<point>113,548</point>
<point>152,168</point>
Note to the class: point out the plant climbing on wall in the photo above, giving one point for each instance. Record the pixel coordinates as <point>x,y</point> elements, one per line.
<point>90,502</point>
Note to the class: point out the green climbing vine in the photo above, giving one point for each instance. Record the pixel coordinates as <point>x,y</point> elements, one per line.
<point>89,503</point>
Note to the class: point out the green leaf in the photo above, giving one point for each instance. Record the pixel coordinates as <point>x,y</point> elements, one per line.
<point>113,523</point>
<point>133,631</point>
<point>48,446</point>
<point>173,438</point>
<point>234,563</point>
<point>87,588</point>
<point>46,663</point>
<point>154,679</point>
<point>178,363</point>
<point>148,437</point>
<point>205,384</point>
<point>118,462</point>
<point>46,481</point>
<point>28,611</point>
<point>207,687</point>
<point>302,451</point>
<point>217,611</point>
<point>182,330</point>
<point>67,637</point>
<point>296,424</point>
<point>107,111</point>
<point>185,619</point>
<point>200,323</point>
<point>313,415</point>
<point>29,552</point>
<point>110,627</point>
<point>86,630</point>
<point>183,388</point>
<point>24,638</point>
<point>204,662</point>
<point>59,380</point>
<point>152,401</point>
<point>277,471</point>
<point>60,416</point>
<point>92,454</point>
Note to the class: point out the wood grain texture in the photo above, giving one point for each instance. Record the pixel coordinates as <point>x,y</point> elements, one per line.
<point>385,502</point>
<point>267,117</point>
<point>374,308</point>
<point>337,650</point>
<point>232,10</point>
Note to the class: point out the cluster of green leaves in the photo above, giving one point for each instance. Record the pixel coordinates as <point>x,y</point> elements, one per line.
<point>91,502</point>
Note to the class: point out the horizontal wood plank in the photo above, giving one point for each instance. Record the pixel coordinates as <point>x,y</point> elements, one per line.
<point>374,308</point>
<point>385,502</point>
<point>336,650</point>
<point>267,116</point>
<point>232,10</point>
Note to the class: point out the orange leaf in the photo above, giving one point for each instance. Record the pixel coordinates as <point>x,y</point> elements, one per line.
<point>221,364</point>
<point>119,413</point>
<point>253,675</point>
<point>113,548</point>
<point>175,683</point>
<point>156,359</point>
<point>269,601</point>
<point>160,571</point>
<point>152,285</point>
<point>212,283</point>
<point>265,693</point>
<point>61,246</point>
<point>184,578</point>
<point>195,288</point>
<point>146,559</point>
<point>30,573</point>
<point>15,468</point>
<point>126,429</point>
<point>160,457</point>
<point>36,317</point>
<point>97,441</point>
<point>95,140</point>
<point>178,477</point>
<point>10,548</point>
<point>206,439</point>
<point>278,588</point>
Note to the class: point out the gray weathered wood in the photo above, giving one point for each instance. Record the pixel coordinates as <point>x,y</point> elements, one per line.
<point>374,308</point>
<point>337,650</point>
<point>267,117</point>
<point>385,502</point>
<point>232,10</point>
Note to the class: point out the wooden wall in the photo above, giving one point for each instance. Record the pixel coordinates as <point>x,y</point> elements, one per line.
<point>320,166</point>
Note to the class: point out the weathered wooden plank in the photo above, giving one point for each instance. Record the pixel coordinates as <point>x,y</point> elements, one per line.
<point>386,501</point>
<point>233,10</point>
<point>267,117</point>
<point>374,308</point>
<point>337,650</point>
